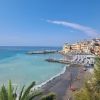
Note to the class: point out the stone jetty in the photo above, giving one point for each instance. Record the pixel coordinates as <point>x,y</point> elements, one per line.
<point>42,52</point>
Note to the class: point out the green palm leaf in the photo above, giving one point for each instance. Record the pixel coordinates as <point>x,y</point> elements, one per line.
<point>20,95</point>
<point>27,91</point>
<point>10,91</point>
<point>3,93</point>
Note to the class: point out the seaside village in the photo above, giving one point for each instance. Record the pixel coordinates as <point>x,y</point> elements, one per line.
<point>82,52</point>
<point>88,46</point>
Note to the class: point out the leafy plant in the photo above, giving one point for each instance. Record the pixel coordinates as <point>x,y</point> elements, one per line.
<point>25,94</point>
<point>50,96</point>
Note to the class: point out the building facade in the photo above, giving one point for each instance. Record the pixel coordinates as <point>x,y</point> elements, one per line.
<point>91,46</point>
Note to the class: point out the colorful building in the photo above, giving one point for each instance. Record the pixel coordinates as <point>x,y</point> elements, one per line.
<point>91,46</point>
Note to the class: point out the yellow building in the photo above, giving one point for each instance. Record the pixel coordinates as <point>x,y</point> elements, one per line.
<point>85,47</point>
<point>76,46</point>
<point>66,48</point>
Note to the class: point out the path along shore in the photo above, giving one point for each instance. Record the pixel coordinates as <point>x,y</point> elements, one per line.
<point>72,77</point>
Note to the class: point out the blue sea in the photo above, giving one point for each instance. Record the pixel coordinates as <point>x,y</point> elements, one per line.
<point>23,69</point>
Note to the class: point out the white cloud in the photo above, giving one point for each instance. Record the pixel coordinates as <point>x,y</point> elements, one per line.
<point>87,30</point>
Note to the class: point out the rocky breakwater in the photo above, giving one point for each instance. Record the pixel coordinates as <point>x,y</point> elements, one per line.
<point>42,52</point>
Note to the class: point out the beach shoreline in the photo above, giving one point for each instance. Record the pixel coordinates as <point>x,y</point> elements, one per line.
<point>47,81</point>
<point>60,84</point>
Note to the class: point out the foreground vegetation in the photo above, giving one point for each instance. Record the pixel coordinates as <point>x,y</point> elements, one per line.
<point>91,89</point>
<point>50,96</point>
<point>10,93</point>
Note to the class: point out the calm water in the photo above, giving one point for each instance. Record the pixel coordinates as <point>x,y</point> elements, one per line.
<point>22,69</point>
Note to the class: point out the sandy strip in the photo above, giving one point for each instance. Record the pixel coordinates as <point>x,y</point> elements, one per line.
<point>60,85</point>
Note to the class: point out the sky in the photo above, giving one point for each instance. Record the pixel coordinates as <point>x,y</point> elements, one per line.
<point>48,22</point>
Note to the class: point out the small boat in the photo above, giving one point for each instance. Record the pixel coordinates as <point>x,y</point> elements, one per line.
<point>72,88</point>
<point>85,69</point>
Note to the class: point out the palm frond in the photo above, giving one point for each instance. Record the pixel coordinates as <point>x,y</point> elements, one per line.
<point>20,94</point>
<point>10,91</point>
<point>27,91</point>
